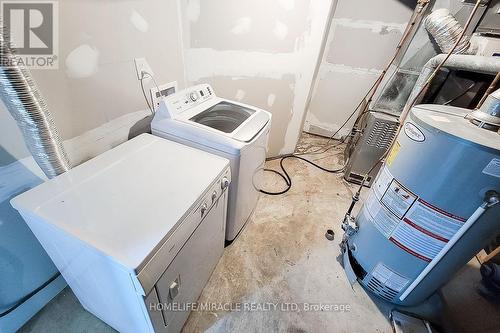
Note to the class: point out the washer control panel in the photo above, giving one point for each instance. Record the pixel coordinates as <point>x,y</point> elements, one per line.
<point>188,98</point>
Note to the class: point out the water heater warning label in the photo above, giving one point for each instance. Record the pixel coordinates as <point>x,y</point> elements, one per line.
<point>493,168</point>
<point>389,278</point>
<point>425,230</point>
<point>411,223</point>
<point>434,221</point>
<point>383,220</point>
<point>398,199</point>
<point>417,243</point>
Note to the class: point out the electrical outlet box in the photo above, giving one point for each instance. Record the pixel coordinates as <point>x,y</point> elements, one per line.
<point>161,91</point>
<point>141,65</point>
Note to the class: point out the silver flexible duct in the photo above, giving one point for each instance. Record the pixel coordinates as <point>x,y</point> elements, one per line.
<point>472,63</point>
<point>24,102</point>
<point>446,30</point>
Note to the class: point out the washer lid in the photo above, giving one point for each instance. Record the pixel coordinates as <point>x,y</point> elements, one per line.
<point>252,128</point>
<point>242,122</point>
<point>223,116</point>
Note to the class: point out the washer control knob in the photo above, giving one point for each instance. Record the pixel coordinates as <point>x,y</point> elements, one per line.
<point>203,209</point>
<point>193,96</point>
<point>224,183</point>
<point>214,196</point>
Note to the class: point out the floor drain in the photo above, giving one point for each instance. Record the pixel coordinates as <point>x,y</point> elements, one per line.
<point>330,235</point>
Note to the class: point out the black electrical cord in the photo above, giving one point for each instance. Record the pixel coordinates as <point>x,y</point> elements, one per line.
<point>31,294</point>
<point>286,177</point>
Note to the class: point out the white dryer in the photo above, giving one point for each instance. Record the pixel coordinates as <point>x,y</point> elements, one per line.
<point>236,131</point>
<point>136,231</point>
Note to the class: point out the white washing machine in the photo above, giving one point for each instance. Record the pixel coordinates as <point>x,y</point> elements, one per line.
<point>236,131</point>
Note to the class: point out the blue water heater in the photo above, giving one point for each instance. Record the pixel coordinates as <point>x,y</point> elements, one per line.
<point>431,208</point>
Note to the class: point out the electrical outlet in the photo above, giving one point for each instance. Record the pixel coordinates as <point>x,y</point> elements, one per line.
<point>141,65</point>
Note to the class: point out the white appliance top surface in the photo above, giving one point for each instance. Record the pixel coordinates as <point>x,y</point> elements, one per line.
<point>125,201</point>
<point>451,120</point>
<point>184,110</point>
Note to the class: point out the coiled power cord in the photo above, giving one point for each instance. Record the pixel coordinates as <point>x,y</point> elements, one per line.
<point>286,177</point>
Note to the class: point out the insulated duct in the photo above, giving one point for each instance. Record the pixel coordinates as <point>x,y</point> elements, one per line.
<point>472,63</point>
<point>24,102</point>
<point>446,31</point>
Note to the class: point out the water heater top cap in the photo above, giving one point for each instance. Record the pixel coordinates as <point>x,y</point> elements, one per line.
<point>451,120</point>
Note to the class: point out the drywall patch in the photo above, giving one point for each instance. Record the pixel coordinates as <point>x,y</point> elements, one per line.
<point>270,100</point>
<point>139,22</point>
<point>82,62</point>
<point>382,10</point>
<point>315,126</point>
<point>240,94</point>
<point>280,30</point>
<point>242,25</point>
<point>341,68</point>
<point>193,10</point>
<point>336,94</point>
<point>239,64</point>
<point>287,4</point>
<point>369,39</point>
<point>375,26</point>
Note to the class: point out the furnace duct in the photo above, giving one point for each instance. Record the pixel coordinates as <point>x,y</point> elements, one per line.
<point>25,103</point>
<point>471,63</point>
<point>446,31</point>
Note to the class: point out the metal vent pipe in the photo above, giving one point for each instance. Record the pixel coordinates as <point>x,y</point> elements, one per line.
<point>25,103</point>
<point>446,30</point>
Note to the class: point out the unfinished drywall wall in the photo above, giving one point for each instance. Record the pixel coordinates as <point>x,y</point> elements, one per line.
<point>260,52</point>
<point>96,82</point>
<point>361,40</point>
<point>95,98</point>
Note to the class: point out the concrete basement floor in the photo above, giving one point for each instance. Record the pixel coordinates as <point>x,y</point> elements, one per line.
<point>282,256</point>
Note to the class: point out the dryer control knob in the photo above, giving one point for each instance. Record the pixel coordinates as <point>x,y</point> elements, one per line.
<point>214,196</point>
<point>224,183</point>
<point>193,96</point>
